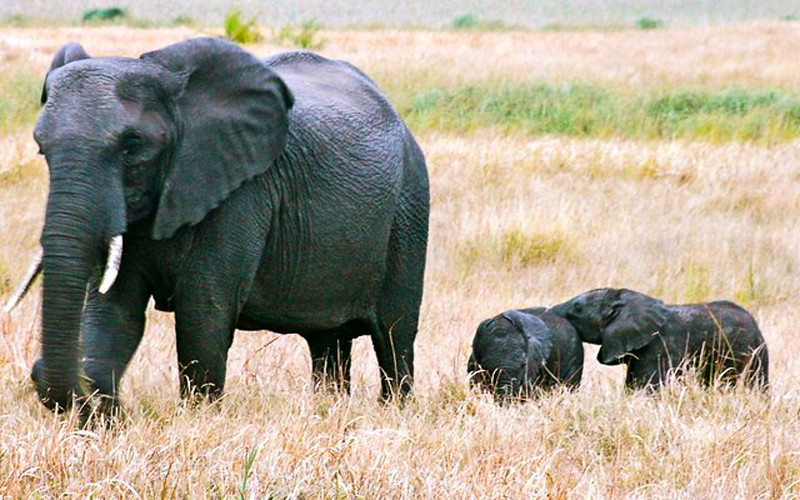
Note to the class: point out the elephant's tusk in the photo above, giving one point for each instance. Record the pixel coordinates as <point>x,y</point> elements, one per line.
<point>112,264</point>
<point>33,271</point>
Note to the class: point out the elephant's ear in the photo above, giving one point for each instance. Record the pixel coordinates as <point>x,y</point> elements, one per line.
<point>635,323</point>
<point>233,116</point>
<point>68,53</point>
<point>538,341</point>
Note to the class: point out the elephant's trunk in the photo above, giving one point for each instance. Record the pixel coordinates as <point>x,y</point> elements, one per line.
<point>69,256</point>
<point>508,386</point>
<point>76,230</point>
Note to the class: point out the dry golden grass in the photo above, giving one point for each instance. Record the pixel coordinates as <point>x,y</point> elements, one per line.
<point>752,54</point>
<point>515,222</point>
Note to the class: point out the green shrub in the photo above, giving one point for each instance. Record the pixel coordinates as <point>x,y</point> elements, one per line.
<point>109,14</point>
<point>647,23</point>
<point>470,22</point>
<point>515,248</point>
<point>240,31</point>
<point>465,22</point>
<point>182,20</point>
<point>304,36</point>
<point>17,21</point>
<point>525,249</point>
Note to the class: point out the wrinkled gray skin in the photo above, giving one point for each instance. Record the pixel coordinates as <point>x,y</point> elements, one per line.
<point>656,340</point>
<point>520,351</point>
<point>283,194</point>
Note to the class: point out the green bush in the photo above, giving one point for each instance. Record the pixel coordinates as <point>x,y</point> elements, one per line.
<point>304,36</point>
<point>471,22</point>
<point>647,23</point>
<point>467,21</point>
<point>182,20</point>
<point>17,21</point>
<point>109,14</point>
<point>240,31</point>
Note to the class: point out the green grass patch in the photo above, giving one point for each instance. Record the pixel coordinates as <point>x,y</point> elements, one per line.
<point>17,21</point>
<point>109,14</point>
<point>696,285</point>
<point>472,22</point>
<point>21,92</point>
<point>581,109</point>
<point>648,23</point>
<point>516,248</point>
<point>304,36</point>
<point>239,30</point>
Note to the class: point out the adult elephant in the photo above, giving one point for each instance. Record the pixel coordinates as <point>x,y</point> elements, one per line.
<point>283,194</point>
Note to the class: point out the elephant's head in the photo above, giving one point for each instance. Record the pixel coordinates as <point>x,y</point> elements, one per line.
<point>620,320</point>
<point>162,139</point>
<point>508,353</point>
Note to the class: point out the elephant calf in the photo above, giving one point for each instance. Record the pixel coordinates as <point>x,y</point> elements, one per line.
<point>519,351</point>
<point>655,340</point>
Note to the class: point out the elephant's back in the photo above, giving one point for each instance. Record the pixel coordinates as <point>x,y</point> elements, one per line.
<point>706,321</point>
<point>332,88</point>
<point>734,318</point>
<point>334,190</point>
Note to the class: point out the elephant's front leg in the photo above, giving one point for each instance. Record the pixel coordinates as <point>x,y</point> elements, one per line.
<point>645,373</point>
<point>204,326</point>
<point>113,325</point>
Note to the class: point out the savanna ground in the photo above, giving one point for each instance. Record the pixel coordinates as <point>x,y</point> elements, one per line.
<point>664,161</point>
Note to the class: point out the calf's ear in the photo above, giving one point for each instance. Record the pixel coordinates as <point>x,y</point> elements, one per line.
<point>538,340</point>
<point>637,323</point>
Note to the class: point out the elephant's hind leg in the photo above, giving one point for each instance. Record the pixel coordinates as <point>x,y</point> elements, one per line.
<point>401,294</point>
<point>330,358</point>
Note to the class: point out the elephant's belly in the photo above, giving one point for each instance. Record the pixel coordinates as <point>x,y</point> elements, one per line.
<point>299,323</point>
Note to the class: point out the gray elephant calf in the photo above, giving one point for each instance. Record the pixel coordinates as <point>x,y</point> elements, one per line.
<point>519,351</point>
<point>655,339</point>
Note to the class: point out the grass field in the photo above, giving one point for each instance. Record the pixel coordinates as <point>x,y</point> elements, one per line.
<point>664,161</point>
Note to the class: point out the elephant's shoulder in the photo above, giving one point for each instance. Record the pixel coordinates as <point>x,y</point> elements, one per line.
<point>317,81</point>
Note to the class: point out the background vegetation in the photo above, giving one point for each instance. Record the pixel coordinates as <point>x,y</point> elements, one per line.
<point>663,160</point>
<point>421,13</point>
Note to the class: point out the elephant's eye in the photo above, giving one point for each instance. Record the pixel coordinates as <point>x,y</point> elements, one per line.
<point>611,314</point>
<point>131,144</point>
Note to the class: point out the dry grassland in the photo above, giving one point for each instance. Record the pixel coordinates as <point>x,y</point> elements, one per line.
<point>516,221</point>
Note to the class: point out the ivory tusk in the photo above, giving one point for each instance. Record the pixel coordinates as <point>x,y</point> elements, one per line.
<point>112,264</point>
<point>33,271</point>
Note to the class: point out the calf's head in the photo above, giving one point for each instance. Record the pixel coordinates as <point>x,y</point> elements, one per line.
<point>508,352</point>
<point>620,320</point>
